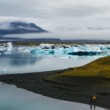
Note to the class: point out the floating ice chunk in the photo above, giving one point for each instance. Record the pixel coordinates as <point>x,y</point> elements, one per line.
<point>46,46</point>
<point>2,48</point>
<point>6,48</point>
<point>26,51</point>
<point>76,49</point>
<point>85,50</point>
<point>9,46</point>
<point>7,53</point>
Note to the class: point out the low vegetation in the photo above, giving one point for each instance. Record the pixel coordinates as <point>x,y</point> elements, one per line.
<point>97,68</point>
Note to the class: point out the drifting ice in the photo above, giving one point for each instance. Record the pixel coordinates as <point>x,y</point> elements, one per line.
<point>58,49</point>
<point>6,48</point>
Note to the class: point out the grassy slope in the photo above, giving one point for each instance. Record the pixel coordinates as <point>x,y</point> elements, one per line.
<point>97,68</point>
<point>95,75</point>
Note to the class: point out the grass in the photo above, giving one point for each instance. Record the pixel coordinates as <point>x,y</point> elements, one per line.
<point>97,68</point>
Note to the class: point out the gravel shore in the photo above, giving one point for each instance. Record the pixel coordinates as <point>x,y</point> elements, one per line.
<point>77,89</point>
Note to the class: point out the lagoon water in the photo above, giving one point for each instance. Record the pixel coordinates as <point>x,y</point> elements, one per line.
<point>13,98</point>
<point>23,63</point>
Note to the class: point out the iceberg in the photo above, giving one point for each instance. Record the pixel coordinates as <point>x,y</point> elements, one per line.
<point>6,48</point>
<point>76,49</point>
<point>60,50</point>
<point>85,50</point>
<point>9,46</point>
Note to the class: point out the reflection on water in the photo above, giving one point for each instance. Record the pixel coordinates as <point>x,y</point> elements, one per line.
<point>19,59</point>
<point>22,63</point>
<point>12,98</point>
<point>92,106</point>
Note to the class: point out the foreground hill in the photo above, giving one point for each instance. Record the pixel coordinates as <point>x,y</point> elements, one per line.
<point>75,84</point>
<point>18,27</point>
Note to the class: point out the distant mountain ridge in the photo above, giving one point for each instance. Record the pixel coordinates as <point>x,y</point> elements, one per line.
<point>53,40</point>
<point>18,27</point>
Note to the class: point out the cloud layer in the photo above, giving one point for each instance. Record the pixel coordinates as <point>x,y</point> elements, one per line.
<point>58,15</point>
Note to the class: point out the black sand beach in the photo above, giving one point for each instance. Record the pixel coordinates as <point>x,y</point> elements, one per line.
<point>77,89</point>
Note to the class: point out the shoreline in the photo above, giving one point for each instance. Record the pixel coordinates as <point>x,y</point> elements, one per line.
<point>38,83</point>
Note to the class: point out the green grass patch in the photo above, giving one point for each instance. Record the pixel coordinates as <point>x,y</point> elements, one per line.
<point>97,68</point>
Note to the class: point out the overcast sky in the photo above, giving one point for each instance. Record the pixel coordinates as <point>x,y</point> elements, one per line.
<point>59,16</point>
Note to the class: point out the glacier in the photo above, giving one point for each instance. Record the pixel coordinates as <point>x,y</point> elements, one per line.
<point>61,50</point>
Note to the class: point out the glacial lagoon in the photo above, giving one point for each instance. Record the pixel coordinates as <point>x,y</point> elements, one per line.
<point>25,64</point>
<point>47,57</point>
<point>22,60</point>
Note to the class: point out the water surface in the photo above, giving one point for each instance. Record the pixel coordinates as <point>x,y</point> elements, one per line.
<point>12,98</point>
<point>23,63</point>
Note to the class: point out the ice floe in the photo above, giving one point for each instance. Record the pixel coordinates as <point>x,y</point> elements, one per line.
<point>58,49</point>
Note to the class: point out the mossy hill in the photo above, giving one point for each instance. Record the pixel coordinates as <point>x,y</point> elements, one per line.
<point>97,68</point>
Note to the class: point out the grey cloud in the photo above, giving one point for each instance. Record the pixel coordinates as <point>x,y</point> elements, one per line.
<point>19,8</point>
<point>58,15</point>
<point>38,8</point>
<point>79,11</point>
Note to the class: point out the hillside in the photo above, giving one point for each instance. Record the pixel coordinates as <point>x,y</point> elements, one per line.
<point>97,68</point>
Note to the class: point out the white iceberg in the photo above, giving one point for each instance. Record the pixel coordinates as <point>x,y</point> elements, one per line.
<point>58,49</point>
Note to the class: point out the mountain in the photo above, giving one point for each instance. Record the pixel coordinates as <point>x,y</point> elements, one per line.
<point>20,28</point>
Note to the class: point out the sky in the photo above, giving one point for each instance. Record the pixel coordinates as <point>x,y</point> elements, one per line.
<point>69,17</point>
